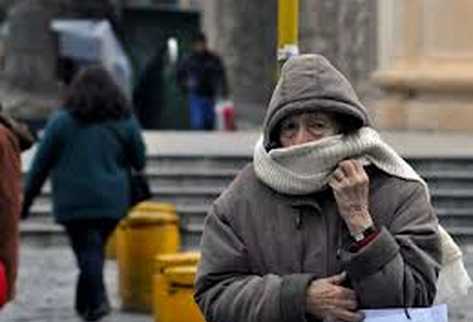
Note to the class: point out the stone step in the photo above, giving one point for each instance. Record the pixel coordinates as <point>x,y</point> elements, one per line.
<point>191,177</point>
<point>191,235</point>
<point>187,196</point>
<point>44,231</point>
<point>178,173</point>
<point>448,179</point>
<point>463,235</point>
<point>451,218</point>
<point>452,198</point>
<point>440,183</point>
<point>224,162</point>
<point>433,163</point>
<point>187,214</point>
<point>447,174</point>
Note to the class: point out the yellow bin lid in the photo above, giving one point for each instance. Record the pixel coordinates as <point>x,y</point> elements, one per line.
<point>163,261</point>
<point>153,206</point>
<point>181,275</point>
<point>150,218</point>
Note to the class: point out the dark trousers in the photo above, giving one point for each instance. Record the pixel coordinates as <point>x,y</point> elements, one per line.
<point>88,239</point>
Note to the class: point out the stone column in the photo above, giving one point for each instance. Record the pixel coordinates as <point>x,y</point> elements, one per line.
<point>345,32</point>
<point>28,87</point>
<point>30,61</point>
<point>427,73</point>
<point>244,32</point>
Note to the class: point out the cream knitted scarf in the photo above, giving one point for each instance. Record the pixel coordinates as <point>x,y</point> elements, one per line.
<point>306,168</point>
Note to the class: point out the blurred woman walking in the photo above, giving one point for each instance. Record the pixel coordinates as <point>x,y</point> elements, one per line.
<point>87,149</point>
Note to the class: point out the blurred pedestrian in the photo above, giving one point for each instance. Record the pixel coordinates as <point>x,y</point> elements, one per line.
<point>148,96</point>
<point>86,149</point>
<point>14,138</point>
<point>202,76</point>
<point>326,221</point>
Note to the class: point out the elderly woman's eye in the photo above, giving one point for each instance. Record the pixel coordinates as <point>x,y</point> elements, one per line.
<point>287,128</point>
<point>316,124</point>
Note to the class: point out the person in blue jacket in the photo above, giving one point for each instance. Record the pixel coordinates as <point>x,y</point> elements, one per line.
<point>87,149</point>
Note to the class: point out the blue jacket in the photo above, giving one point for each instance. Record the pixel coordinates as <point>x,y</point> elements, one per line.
<point>88,166</point>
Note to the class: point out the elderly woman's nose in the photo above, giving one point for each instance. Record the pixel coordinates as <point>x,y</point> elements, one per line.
<point>304,136</point>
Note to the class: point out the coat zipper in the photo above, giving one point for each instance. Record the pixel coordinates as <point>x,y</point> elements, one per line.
<point>339,240</point>
<point>327,245</point>
<point>299,220</point>
<point>299,223</point>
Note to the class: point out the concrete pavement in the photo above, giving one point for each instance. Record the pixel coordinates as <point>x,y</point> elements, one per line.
<point>47,278</point>
<point>46,285</point>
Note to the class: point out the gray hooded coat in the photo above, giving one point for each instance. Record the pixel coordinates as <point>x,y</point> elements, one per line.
<point>261,249</point>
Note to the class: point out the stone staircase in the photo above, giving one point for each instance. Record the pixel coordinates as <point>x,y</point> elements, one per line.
<point>189,182</point>
<point>193,181</point>
<point>451,186</point>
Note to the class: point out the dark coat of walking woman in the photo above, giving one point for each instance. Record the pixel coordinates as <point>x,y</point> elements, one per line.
<point>88,166</point>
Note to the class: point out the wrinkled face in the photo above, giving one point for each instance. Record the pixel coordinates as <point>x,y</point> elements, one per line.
<point>306,127</point>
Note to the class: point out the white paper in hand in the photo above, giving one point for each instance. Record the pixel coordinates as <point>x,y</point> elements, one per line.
<point>436,313</point>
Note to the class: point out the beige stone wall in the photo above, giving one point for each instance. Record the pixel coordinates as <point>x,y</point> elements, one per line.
<point>428,74</point>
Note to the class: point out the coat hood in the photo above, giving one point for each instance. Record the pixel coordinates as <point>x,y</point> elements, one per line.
<point>311,83</point>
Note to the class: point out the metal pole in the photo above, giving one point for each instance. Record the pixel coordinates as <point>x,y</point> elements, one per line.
<point>288,30</point>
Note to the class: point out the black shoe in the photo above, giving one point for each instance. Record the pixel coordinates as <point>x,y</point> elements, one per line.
<point>98,313</point>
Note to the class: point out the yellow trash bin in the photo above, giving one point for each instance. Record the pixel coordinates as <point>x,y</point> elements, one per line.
<point>178,304</point>
<point>111,246</point>
<point>145,206</point>
<point>141,236</point>
<point>153,206</point>
<point>161,263</point>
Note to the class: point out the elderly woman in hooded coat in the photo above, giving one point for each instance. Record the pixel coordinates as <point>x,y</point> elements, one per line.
<point>327,220</point>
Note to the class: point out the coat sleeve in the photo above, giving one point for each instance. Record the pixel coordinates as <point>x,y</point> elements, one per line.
<point>227,290</point>
<point>399,268</point>
<point>48,150</point>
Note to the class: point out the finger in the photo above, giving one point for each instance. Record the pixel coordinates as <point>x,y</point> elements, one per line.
<point>347,293</point>
<point>338,174</point>
<point>351,304</point>
<point>337,279</point>
<point>334,184</point>
<point>360,170</point>
<point>348,168</point>
<point>348,316</point>
<point>358,166</point>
